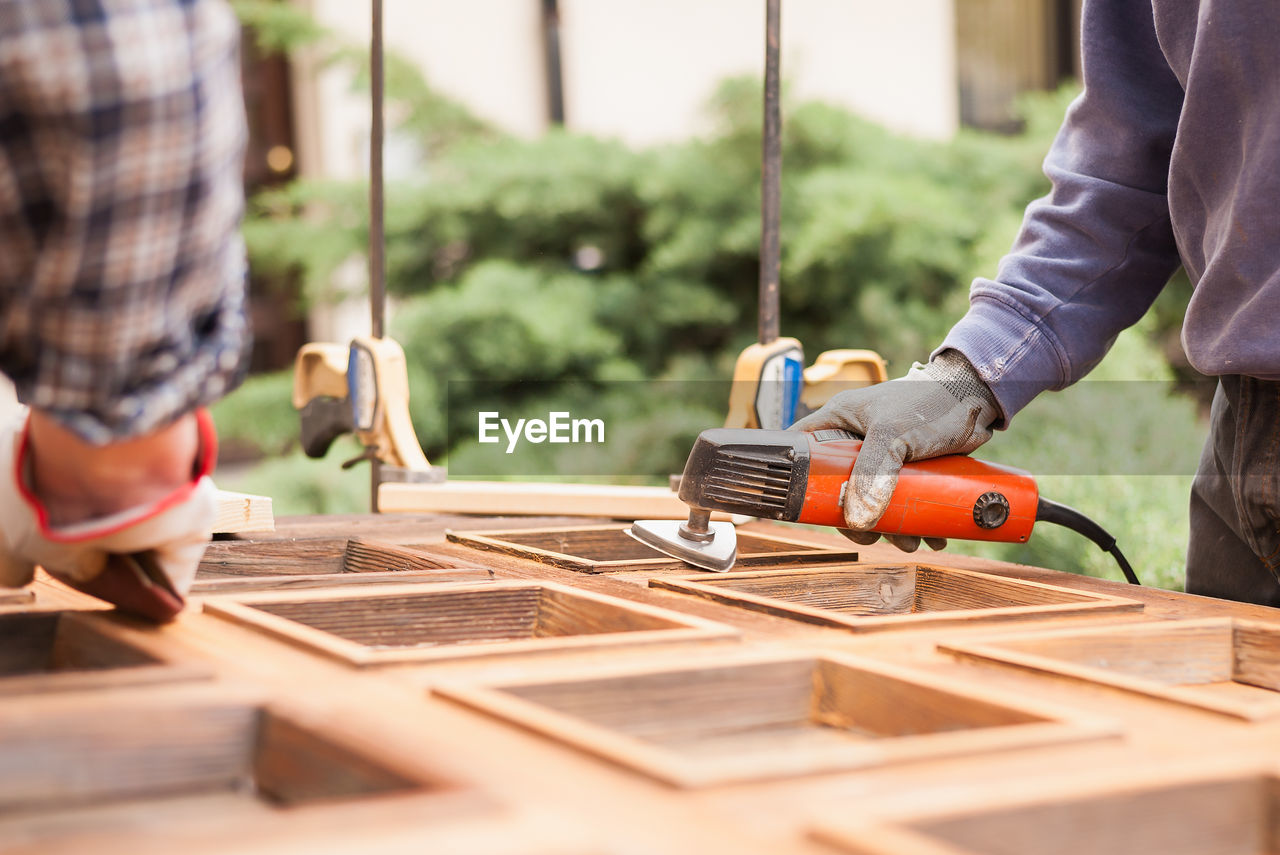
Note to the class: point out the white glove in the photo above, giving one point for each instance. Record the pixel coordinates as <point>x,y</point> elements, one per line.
<point>939,408</point>
<point>142,559</point>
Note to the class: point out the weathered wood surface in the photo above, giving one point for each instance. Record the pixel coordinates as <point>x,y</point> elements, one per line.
<point>67,652</point>
<point>532,794</point>
<point>275,557</point>
<point>124,757</point>
<point>1184,662</point>
<point>369,556</point>
<point>438,622</point>
<point>1232,811</point>
<point>321,555</point>
<point>751,720</point>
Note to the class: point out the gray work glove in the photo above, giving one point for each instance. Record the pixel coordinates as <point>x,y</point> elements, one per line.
<point>939,408</point>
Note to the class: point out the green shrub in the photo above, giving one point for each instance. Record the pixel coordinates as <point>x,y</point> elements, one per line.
<point>299,485</point>
<point>257,418</point>
<point>565,271</point>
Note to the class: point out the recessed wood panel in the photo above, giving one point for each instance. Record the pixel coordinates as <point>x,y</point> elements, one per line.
<point>771,718</point>
<point>274,557</point>
<point>608,549</point>
<point>429,623</point>
<point>76,755</point>
<point>1221,813</point>
<point>65,651</point>
<point>1231,667</point>
<point>867,598</point>
<point>236,565</point>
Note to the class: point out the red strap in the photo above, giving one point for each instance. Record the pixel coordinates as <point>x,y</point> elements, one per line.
<point>206,458</point>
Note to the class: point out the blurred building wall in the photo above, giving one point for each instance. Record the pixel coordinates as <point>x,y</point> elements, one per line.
<point>642,71</point>
<point>638,70</point>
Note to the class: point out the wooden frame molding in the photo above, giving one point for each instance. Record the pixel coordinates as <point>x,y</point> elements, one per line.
<point>609,549</point>
<point>1220,665</point>
<point>771,717</point>
<point>65,651</point>
<point>433,623</point>
<point>1230,806</point>
<point>869,598</point>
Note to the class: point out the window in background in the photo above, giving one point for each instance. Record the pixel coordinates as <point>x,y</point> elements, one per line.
<point>1007,47</point>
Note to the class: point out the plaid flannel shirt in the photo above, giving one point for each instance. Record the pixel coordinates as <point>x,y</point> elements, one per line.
<point>122,272</point>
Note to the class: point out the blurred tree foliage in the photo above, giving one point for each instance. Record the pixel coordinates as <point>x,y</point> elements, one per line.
<point>569,257</point>
<point>518,263</point>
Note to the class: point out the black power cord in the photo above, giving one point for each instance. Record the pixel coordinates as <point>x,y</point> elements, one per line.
<point>1068,517</point>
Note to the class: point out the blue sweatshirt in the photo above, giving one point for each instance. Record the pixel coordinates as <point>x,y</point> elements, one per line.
<point>1170,155</point>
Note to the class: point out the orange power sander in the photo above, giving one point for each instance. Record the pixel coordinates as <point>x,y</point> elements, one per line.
<point>803,477</point>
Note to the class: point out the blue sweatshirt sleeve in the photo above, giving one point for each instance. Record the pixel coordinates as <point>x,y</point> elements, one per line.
<point>1092,255</point>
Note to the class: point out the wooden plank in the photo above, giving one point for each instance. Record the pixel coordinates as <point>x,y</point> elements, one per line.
<point>242,512</point>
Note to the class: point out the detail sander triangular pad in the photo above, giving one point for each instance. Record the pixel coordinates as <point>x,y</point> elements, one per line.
<point>717,554</point>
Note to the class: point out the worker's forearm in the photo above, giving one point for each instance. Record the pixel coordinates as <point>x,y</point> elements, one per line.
<point>123,282</point>
<point>1093,254</point>
<point>77,481</point>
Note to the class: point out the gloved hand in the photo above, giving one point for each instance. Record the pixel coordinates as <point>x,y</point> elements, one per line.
<point>939,408</point>
<point>142,559</point>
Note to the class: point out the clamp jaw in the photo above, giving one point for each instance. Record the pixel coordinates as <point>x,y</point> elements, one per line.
<point>362,388</point>
<point>772,389</point>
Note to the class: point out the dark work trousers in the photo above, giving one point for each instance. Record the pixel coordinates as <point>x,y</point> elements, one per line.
<point>1234,551</point>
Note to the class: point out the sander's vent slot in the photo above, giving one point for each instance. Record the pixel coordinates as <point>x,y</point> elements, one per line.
<point>759,479</point>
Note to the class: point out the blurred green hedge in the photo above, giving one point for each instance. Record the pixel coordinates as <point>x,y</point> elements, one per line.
<point>575,258</point>
<point>579,260</point>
